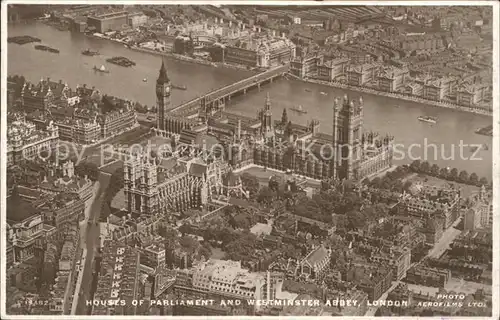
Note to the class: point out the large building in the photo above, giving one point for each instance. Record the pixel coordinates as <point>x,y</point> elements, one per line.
<point>176,184</point>
<point>434,202</point>
<point>392,79</point>
<point>306,64</point>
<point>163,91</point>
<point>361,75</point>
<point>114,21</point>
<point>24,141</point>
<point>316,263</point>
<point>62,178</point>
<point>63,209</point>
<point>46,94</point>
<point>471,95</point>
<point>352,153</point>
<point>332,70</point>
<point>89,120</point>
<point>226,279</point>
<point>438,89</point>
<point>480,212</point>
<point>137,19</point>
<point>263,52</point>
<point>31,223</point>
<point>421,274</point>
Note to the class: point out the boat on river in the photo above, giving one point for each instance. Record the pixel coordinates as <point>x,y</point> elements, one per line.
<point>427,119</point>
<point>486,131</point>
<point>299,109</point>
<point>121,61</point>
<point>145,80</point>
<point>102,69</point>
<point>323,93</point>
<point>45,48</point>
<point>179,87</point>
<point>88,52</point>
<point>307,90</point>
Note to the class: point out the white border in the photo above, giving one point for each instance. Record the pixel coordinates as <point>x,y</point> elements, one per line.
<point>496,132</point>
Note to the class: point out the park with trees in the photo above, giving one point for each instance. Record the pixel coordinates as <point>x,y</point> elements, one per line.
<point>449,174</point>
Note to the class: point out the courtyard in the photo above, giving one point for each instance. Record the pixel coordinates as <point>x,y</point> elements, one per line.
<point>263,175</point>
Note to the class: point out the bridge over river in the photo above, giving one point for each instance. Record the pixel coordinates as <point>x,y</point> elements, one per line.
<point>218,97</point>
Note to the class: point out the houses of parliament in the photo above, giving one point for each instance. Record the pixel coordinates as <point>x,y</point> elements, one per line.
<point>188,181</point>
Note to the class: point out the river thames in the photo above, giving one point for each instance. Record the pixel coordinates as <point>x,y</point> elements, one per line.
<point>382,114</point>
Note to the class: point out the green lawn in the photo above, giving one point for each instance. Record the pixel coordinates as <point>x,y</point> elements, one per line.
<point>264,175</point>
<point>112,167</point>
<point>118,201</point>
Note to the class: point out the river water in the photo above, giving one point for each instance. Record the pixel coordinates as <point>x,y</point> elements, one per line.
<point>382,114</point>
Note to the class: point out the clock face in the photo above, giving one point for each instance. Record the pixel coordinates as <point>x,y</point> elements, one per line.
<point>167,89</point>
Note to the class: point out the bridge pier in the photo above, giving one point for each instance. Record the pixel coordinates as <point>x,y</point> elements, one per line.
<point>258,86</point>
<point>245,91</point>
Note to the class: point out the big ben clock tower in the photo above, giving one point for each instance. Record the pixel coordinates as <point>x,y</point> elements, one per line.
<point>163,88</point>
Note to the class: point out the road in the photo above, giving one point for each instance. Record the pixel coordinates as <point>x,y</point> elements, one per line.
<point>372,310</point>
<point>129,137</point>
<point>448,236</point>
<point>92,233</point>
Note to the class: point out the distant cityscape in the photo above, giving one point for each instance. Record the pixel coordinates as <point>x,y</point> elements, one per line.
<point>117,208</point>
<point>442,55</point>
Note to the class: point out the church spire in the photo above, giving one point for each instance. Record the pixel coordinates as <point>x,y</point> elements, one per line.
<point>268,102</point>
<point>163,77</point>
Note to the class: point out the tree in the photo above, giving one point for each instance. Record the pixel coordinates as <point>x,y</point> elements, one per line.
<point>483,181</point>
<point>407,185</point>
<point>241,248</point>
<point>355,220</point>
<point>443,173</point>
<point>273,184</point>
<point>376,182</point>
<point>473,179</point>
<point>434,170</point>
<point>464,176</point>
<point>397,186</point>
<point>266,195</point>
<point>205,251</point>
<point>415,166</point>
<point>185,229</point>
<point>189,244</point>
<point>376,211</point>
<point>290,251</point>
<point>250,183</point>
<point>453,174</point>
<point>89,169</point>
<point>425,167</point>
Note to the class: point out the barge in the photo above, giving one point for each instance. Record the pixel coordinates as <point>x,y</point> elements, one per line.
<point>121,61</point>
<point>45,48</point>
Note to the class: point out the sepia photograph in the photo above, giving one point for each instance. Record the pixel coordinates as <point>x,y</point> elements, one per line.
<point>249,158</point>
